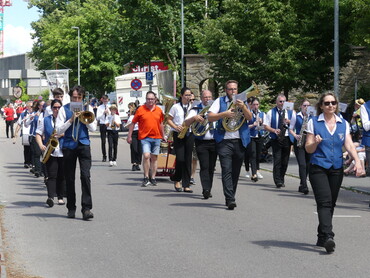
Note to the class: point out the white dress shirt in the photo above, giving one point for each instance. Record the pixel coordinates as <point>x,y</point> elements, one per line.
<point>62,124</point>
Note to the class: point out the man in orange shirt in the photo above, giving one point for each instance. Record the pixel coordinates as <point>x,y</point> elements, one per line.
<point>150,118</point>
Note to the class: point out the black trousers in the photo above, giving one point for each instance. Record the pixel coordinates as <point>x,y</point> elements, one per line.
<point>136,149</point>
<point>247,157</point>
<point>27,155</point>
<point>367,151</point>
<point>112,144</point>
<point>83,154</point>
<point>103,138</point>
<point>56,182</point>
<point>255,154</point>
<point>303,159</point>
<point>184,153</point>
<point>36,153</point>
<point>325,185</point>
<point>280,155</point>
<point>207,156</point>
<point>231,154</point>
<point>9,124</point>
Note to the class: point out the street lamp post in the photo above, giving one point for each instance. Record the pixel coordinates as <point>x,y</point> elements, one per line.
<point>182,44</point>
<point>78,54</point>
<point>336,48</point>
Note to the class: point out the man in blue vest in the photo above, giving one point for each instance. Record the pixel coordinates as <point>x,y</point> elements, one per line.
<point>76,145</point>
<point>277,123</point>
<point>365,119</point>
<point>230,144</point>
<point>205,144</point>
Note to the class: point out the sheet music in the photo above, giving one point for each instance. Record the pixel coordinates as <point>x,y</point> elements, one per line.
<point>288,105</point>
<point>76,106</point>
<point>311,111</point>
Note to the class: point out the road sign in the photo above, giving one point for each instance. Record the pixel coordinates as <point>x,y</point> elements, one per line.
<point>149,78</point>
<point>136,84</point>
<point>136,94</point>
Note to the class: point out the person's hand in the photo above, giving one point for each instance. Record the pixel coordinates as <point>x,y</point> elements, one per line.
<point>358,169</point>
<point>42,148</point>
<point>318,139</point>
<point>198,118</point>
<point>277,131</point>
<point>298,137</point>
<point>179,128</point>
<point>229,113</point>
<point>129,139</point>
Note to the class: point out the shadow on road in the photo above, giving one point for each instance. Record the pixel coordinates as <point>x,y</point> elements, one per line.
<point>289,245</point>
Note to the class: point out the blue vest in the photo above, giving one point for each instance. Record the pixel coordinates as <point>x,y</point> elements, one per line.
<point>220,131</point>
<point>83,134</point>
<point>22,116</point>
<point>273,122</point>
<point>299,123</point>
<point>253,131</point>
<point>329,152</point>
<point>48,130</point>
<point>366,134</point>
<point>33,126</point>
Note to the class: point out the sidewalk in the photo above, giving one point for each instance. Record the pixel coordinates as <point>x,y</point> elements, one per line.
<point>360,185</point>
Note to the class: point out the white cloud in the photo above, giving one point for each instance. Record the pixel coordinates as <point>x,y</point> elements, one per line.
<point>17,40</point>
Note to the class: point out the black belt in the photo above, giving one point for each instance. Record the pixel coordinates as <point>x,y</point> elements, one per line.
<point>233,140</point>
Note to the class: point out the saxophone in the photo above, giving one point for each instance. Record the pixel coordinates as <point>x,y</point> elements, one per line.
<point>302,139</point>
<point>50,147</point>
<point>185,128</point>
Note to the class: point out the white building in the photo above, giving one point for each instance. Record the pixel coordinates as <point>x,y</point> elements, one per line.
<point>16,68</point>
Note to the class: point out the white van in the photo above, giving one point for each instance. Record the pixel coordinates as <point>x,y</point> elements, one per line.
<point>125,93</point>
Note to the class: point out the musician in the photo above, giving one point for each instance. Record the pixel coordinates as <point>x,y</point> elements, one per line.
<point>365,119</point>
<point>205,145</point>
<point>230,145</point>
<point>101,115</point>
<point>24,134</point>
<point>327,133</point>
<point>113,123</point>
<point>135,146</point>
<point>194,161</point>
<point>55,183</point>
<point>277,122</point>
<point>256,131</point>
<point>57,94</point>
<point>32,122</point>
<point>183,147</point>
<point>76,145</point>
<point>298,129</point>
<point>150,119</point>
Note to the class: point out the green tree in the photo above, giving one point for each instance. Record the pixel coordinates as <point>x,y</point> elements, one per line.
<point>100,39</point>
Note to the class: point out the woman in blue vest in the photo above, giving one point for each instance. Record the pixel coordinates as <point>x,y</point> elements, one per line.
<point>297,129</point>
<point>55,183</point>
<point>326,134</point>
<point>256,131</point>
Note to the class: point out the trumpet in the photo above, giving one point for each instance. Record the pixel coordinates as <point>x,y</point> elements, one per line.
<point>234,123</point>
<point>84,117</point>
<point>51,145</point>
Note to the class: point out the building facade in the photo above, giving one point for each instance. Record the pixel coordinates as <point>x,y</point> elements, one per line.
<point>15,68</point>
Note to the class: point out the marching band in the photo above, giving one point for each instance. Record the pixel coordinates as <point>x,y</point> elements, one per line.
<point>224,128</point>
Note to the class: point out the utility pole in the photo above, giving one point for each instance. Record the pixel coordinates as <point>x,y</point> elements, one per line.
<point>336,48</point>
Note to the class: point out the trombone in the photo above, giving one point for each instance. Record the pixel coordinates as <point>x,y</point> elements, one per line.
<point>85,117</point>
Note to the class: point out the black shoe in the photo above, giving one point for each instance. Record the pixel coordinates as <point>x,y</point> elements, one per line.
<point>32,170</point>
<point>104,159</point>
<point>137,168</point>
<point>283,185</point>
<point>206,194</point>
<point>37,174</point>
<point>87,214</point>
<point>25,166</point>
<point>153,182</point>
<point>192,181</point>
<point>329,245</point>
<point>178,188</point>
<point>303,189</point>
<point>188,190</point>
<point>231,205</point>
<point>71,213</point>
<point>50,202</point>
<point>320,242</point>
<point>146,182</point>
<point>254,178</point>
<point>133,167</point>
<point>279,185</point>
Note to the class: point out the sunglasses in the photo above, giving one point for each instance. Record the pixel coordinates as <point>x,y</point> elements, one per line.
<point>56,107</point>
<point>281,101</point>
<point>305,105</point>
<point>327,103</point>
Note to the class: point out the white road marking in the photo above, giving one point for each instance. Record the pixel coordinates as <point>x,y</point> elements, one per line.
<point>344,216</point>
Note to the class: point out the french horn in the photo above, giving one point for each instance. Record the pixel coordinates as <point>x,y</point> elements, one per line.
<point>234,123</point>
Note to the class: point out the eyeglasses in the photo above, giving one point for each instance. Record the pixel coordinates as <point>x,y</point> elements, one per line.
<point>56,107</point>
<point>281,101</point>
<point>327,103</point>
<point>150,99</point>
<point>305,105</point>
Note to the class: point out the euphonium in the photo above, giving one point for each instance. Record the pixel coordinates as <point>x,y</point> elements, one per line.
<point>201,128</point>
<point>50,147</point>
<point>168,102</point>
<point>234,123</point>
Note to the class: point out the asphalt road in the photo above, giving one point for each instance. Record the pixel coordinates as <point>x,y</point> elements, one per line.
<point>157,232</point>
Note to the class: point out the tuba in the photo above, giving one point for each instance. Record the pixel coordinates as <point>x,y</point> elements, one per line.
<point>234,123</point>
<point>52,144</point>
<point>168,101</point>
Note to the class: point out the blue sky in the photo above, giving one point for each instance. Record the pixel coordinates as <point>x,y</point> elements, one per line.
<point>17,28</point>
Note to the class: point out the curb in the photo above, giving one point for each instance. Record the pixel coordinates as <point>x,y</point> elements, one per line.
<point>2,258</point>
<point>350,188</point>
